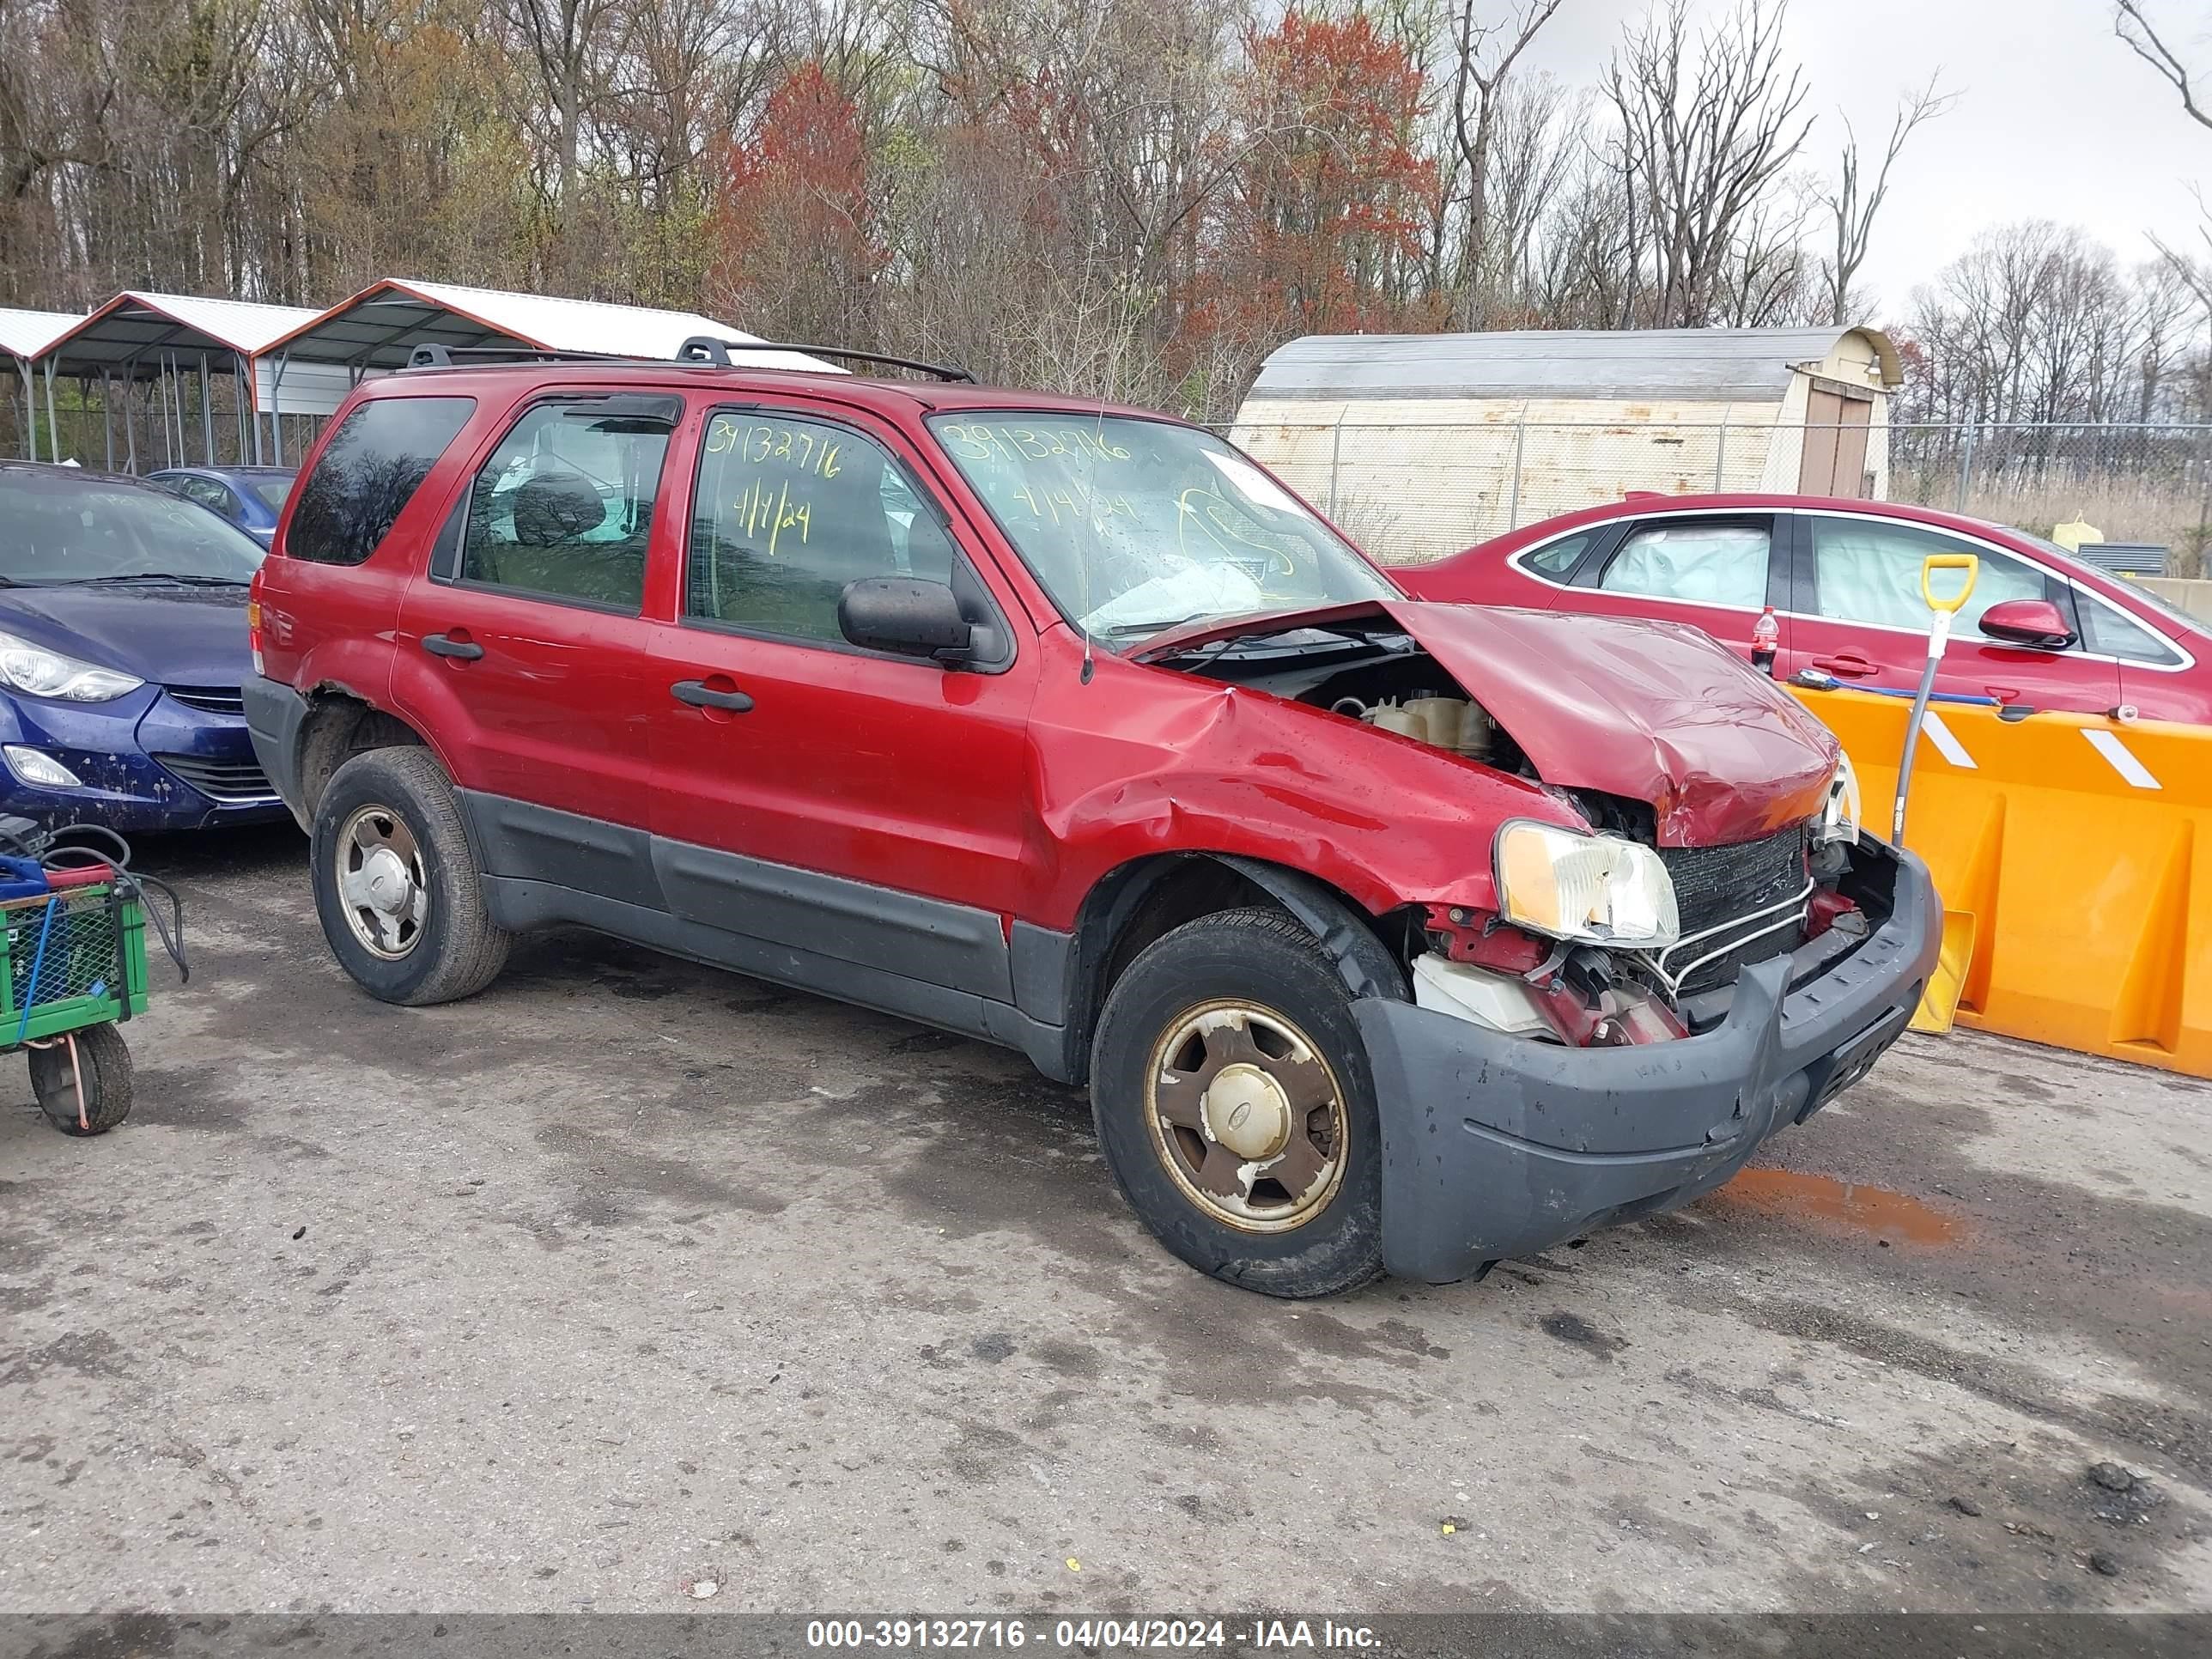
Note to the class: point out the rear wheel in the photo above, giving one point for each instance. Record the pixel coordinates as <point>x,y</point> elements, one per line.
<point>1236,1109</point>
<point>100,1060</point>
<point>395,886</point>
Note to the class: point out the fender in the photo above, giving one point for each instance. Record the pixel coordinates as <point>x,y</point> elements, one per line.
<point>1367,967</point>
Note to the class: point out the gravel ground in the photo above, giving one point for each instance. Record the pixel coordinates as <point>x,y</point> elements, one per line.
<point>627,1274</point>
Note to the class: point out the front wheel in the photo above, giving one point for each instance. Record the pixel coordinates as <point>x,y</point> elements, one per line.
<point>395,886</point>
<point>99,1062</point>
<point>1236,1108</point>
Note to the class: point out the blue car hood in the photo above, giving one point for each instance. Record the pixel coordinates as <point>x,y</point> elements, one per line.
<point>169,635</point>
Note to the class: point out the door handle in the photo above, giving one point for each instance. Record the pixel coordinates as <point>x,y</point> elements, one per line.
<point>700,694</point>
<point>460,650</point>
<point>1850,664</point>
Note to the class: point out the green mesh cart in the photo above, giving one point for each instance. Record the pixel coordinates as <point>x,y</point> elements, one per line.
<point>74,969</point>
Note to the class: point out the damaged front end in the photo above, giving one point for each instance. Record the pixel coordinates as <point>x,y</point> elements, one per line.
<point>1714,813</point>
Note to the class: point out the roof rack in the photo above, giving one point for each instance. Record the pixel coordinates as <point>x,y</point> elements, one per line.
<point>706,348</point>
<point>445,356</point>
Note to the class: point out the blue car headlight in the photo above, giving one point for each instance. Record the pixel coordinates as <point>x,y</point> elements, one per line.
<point>38,673</point>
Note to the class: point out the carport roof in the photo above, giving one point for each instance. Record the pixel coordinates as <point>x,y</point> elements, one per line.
<point>136,323</point>
<point>28,333</point>
<point>1714,364</point>
<point>380,326</point>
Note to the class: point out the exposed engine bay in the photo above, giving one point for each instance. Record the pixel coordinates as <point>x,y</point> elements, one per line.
<point>1793,891</point>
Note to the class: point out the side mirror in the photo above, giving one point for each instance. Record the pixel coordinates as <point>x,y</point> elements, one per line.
<point>905,614</point>
<point>2036,624</point>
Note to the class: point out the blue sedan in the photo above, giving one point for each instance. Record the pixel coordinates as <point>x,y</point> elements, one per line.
<point>251,497</point>
<point>122,647</point>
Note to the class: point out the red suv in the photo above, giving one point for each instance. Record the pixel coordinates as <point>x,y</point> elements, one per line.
<point>1387,935</point>
<point>2042,630</point>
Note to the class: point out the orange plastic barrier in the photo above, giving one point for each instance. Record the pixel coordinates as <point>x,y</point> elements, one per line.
<point>2082,847</point>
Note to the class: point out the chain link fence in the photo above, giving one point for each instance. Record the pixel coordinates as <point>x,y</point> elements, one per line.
<point>1410,493</point>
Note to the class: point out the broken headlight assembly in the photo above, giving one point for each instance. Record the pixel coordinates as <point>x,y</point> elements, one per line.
<point>1594,889</point>
<point>1839,809</point>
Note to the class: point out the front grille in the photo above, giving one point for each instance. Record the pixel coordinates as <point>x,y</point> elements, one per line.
<point>209,698</point>
<point>223,780</point>
<point>1715,884</point>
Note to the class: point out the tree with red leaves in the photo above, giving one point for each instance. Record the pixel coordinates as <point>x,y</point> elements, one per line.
<point>796,251</point>
<point>1318,226</point>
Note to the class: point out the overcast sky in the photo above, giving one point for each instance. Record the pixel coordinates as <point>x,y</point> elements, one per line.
<point>2056,120</point>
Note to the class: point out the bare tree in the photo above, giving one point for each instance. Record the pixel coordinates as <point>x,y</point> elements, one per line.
<point>1486,54</point>
<point>2144,40</point>
<point>1854,202</point>
<point>1707,131</point>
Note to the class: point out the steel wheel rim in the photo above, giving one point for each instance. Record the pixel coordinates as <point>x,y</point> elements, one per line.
<point>381,885</point>
<point>1247,1117</point>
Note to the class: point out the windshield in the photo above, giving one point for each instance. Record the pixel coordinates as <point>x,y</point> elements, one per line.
<point>1135,525</point>
<point>59,529</point>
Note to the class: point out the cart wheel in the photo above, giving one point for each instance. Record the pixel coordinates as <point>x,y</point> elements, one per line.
<point>105,1058</point>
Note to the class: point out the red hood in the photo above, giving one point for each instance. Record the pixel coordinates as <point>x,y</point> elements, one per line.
<point>1651,710</point>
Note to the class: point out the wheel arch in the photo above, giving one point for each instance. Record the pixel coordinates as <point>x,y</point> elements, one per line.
<point>1137,902</point>
<point>340,724</point>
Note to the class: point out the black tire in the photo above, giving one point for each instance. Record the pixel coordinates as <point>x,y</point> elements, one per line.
<point>1264,959</point>
<point>455,949</point>
<point>106,1059</point>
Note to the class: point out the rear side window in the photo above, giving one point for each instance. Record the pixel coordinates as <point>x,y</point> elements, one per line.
<point>564,507</point>
<point>1721,564</point>
<point>370,470</point>
<point>1558,559</point>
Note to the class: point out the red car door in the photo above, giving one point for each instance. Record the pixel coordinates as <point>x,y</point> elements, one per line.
<point>1860,617</point>
<point>1714,571</point>
<point>523,647</point>
<point>866,806</point>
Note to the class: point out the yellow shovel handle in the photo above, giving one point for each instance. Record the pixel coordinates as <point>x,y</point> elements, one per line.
<point>1935,561</point>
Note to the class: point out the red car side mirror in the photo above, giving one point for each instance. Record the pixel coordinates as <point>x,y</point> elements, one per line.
<point>2037,624</point>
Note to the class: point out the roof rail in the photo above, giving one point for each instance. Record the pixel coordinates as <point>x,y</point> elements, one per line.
<point>706,348</point>
<point>444,356</point>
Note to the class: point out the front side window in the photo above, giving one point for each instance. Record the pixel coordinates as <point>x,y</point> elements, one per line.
<point>1135,526</point>
<point>1722,564</point>
<point>1869,572</point>
<point>212,495</point>
<point>368,473</point>
<point>59,527</point>
<point>788,511</point>
<point>564,507</point>
<point>2109,633</point>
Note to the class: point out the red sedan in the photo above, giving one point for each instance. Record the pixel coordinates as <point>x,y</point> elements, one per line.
<point>2042,630</point>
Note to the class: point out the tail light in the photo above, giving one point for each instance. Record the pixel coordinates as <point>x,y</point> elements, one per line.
<point>253,620</point>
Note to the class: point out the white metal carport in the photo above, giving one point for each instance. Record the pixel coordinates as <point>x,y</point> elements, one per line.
<point>380,328</point>
<point>163,341</point>
<point>25,335</point>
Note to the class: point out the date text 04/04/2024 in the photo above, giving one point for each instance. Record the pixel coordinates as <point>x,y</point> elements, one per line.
<point>1170,1635</point>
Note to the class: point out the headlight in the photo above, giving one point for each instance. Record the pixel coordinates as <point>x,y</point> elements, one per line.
<point>1840,812</point>
<point>1598,889</point>
<point>38,673</point>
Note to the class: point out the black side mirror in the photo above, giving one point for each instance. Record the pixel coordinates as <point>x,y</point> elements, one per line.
<point>905,614</point>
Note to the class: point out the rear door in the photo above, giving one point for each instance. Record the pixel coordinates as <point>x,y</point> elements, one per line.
<point>522,647</point>
<point>1714,571</point>
<point>864,806</point>
<point>1860,617</point>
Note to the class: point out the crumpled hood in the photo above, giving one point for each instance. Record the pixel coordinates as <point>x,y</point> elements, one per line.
<point>173,635</point>
<point>1654,711</point>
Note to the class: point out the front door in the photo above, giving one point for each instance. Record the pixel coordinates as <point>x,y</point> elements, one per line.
<point>869,808</point>
<point>522,645</point>
<point>1862,618</point>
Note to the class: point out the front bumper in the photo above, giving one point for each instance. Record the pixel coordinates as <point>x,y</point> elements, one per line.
<point>111,748</point>
<point>1495,1147</point>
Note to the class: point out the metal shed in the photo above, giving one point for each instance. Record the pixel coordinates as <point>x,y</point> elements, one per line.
<point>1421,445</point>
<point>377,328</point>
<point>24,336</point>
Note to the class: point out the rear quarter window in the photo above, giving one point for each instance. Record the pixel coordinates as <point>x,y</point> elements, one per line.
<point>369,471</point>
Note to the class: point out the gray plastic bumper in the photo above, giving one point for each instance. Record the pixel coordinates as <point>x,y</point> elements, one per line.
<point>1495,1147</point>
